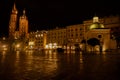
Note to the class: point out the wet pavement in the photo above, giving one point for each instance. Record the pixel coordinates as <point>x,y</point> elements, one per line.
<point>59,66</point>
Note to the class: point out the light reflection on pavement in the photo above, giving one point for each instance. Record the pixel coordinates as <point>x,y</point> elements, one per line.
<point>50,65</point>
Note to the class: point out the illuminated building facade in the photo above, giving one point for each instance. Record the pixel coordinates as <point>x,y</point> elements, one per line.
<point>37,40</point>
<point>70,36</point>
<point>56,38</point>
<point>75,34</point>
<point>65,37</point>
<point>22,29</point>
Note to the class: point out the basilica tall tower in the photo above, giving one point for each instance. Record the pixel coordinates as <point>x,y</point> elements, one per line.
<point>13,22</point>
<point>23,25</point>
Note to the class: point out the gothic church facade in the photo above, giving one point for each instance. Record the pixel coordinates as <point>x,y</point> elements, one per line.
<point>20,31</point>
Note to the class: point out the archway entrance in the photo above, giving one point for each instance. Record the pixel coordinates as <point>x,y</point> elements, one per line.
<point>92,42</point>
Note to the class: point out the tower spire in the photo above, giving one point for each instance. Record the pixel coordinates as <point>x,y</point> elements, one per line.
<point>24,12</point>
<point>14,10</point>
<point>14,6</point>
<point>13,21</point>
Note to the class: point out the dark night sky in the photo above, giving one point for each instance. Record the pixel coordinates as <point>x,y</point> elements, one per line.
<point>43,14</point>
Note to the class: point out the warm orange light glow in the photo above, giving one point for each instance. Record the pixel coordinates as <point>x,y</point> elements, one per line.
<point>31,43</point>
<point>18,45</point>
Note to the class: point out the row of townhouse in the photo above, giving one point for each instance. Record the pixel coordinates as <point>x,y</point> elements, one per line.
<point>71,35</point>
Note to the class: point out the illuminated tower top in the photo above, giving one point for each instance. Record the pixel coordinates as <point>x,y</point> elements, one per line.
<point>24,12</point>
<point>24,15</point>
<point>14,10</point>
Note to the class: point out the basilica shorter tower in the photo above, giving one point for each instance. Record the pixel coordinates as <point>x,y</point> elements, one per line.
<point>20,31</point>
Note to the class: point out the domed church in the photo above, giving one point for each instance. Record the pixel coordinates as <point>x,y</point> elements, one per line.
<point>96,24</point>
<point>98,37</point>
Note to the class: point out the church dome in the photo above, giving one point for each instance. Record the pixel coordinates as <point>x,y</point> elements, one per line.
<point>96,25</point>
